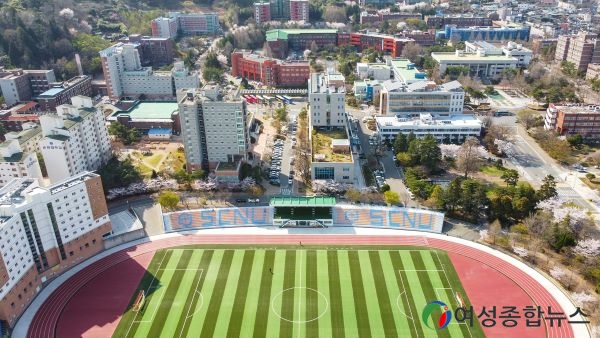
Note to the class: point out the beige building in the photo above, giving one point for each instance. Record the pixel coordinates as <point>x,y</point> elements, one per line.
<point>581,50</point>
<point>326,99</point>
<point>45,231</point>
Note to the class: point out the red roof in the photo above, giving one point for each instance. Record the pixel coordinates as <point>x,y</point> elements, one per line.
<point>29,106</point>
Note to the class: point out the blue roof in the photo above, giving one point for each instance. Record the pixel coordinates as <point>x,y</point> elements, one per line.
<point>159,131</point>
<point>52,91</point>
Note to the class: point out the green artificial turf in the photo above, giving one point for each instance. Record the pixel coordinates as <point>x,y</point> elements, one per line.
<point>228,291</point>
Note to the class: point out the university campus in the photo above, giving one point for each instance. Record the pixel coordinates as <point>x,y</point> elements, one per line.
<point>295,168</point>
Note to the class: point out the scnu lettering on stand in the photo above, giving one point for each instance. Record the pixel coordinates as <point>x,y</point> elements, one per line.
<point>220,217</point>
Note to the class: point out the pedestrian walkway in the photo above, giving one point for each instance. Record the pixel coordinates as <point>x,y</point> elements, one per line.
<point>286,191</point>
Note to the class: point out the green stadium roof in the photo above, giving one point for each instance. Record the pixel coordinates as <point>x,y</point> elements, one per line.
<point>301,201</point>
<point>282,34</point>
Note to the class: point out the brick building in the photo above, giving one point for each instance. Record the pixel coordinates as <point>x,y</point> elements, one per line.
<point>271,72</point>
<point>62,92</point>
<point>380,16</point>
<point>282,40</point>
<point>19,85</point>
<point>565,120</point>
<point>581,50</point>
<point>262,12</point>
<point>299,10</point>
<point>155,52</point>
<point>459,21</point>
<point>386,43</point>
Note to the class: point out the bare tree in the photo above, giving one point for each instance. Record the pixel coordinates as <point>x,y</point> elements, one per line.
<point>267,52</point>
<point>412,51</point>
<point>468,159</point>
<point>314,48</point>
<point>335,14</point>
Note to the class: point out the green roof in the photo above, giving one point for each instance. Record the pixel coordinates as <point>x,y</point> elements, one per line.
<point>409,75</point>
<point>302,201</point>
<point>282,34</point>
<point>16,157</point>
<point>150,111</point>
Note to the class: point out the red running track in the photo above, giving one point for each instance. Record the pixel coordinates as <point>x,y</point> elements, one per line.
<point>488,280</point>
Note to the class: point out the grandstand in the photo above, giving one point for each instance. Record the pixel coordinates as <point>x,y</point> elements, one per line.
<point>300,211</point>
<point>124,221</point>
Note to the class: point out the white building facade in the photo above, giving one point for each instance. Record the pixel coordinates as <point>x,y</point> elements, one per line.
<point>326,99</point>
<point>479,64</point>
<point>125,75</point>
<point>74,140</point>
<point>455,128</point>
<point>214,126</point>
<point>44,231</point>
<point>397,98</point>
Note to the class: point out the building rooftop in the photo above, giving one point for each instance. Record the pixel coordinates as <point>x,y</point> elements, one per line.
<point>14,191</point>
<point>449,56</point>
<point>71,181</point>
<point>16,157</point>
<point>52,92</point>
<point>427,120</point>
<point>405,69</point>
<point>25,135</point>
<point>577,109</point>
<point>149,111</point>
<point>159,131</point>
<point>282,34</point>
<point>323,142</point>
<point>302,201</point>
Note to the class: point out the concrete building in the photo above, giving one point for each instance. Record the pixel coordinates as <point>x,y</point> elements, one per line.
<point>480,65</point>
<point>196,23</point>
<point>280,9</point>
<point>326,100</point>
<point>147,117</point>
<point>581,50</point>
<point>18,155</point>
<point>262,12</point>
<point>396,98</point>
<point>46,231</point>
<point>299,10</point>
<point>510,32</point>
<point>459,20</point>
<point>62,92</point>
<point>271,72</point>
<point>19,85</point>
<point>572,120</point>
<point>164,27</point>
<point>74,140</point>
<point>214,126</point>
<point>28,138</point>
<point>375,71</point>
<point>453,128</point>
<point>512,49</point>
<point>593,71</point>
<point>125,75</point>
<point>155,52</point>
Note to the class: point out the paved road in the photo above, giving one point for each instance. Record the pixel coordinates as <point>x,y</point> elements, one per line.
<point>533,164</point>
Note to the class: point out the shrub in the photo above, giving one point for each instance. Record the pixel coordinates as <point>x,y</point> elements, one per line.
<point>590,176</point>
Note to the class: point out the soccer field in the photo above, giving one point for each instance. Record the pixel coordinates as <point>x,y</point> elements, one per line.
<point>221,291</point>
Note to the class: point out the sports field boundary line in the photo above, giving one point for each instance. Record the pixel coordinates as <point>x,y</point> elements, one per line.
<point>451,288</point>
<point>147,289</point>
<point>421,270</point>
<point>187,315</point>
<point>439,298</point>
<point>407,302</point>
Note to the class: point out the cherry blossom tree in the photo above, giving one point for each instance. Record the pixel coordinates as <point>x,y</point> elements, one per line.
<point>558,273</point>
<point>520,251</point>
<point>588,247</point>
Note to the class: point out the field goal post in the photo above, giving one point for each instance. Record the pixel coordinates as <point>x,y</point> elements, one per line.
<point>140,299</point>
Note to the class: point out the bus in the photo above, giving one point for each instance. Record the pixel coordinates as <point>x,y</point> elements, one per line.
<point>287,99</point>
<point>253,99</point>
<point>280,98</point>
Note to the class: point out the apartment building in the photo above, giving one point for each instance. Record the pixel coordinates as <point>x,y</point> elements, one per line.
<point>18,154</point>
<point>164,28</point>
<point>19,85</point>
<point>262,12</point>
<point>367,17</point>
<point>571,120</point>
<point>75,139</point>
<point>299,10</point>
<point>197,23</point>
<point>44,232</point>
<point>62,92</point>
<point>125,75</point>
<point>154,51</point>
<point>280,9</point>
<point>299,40</point>
<point>271,72</point>
<point>214,126</point>
<point>581,50</point>
<point>326,100</point>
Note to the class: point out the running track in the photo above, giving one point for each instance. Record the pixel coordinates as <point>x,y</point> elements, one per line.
<point>47,319</point>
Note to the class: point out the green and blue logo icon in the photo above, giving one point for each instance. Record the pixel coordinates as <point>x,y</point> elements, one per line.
<point>444,319</point>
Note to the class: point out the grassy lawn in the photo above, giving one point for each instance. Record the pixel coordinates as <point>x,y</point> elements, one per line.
<point>593,183</point>
<point>203,291</point>
<point>492,170</point>
<point>322,145</point>
<point>154,159</point>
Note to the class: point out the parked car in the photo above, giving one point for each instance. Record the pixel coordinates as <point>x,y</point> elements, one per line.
<point>240,200</point>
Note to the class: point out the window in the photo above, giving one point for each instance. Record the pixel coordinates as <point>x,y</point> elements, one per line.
<point>324,173</point>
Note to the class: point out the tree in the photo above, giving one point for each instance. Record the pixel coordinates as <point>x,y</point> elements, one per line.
<point>575,140</point>
<point>391,198</point>
<point>314,48</point>
<point>568,68</point>
<point>353,195</point>
<point>510,176</point>
<point>335,14</point>
<point>430,153</point>
<point>168,200</point>
<point>401,143</point>
<point>267,52</point>
<point>437,197</point>
<point>412,51</point>
<point>468,156</point>
<point>547,189</point>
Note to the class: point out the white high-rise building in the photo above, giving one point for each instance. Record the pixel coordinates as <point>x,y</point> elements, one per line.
<point>326,98</point>
<point>214,126</point>
<point>74,140</point>
<point>125,75</point>
<point>14,163</point>
<point>45,231</point>
<point>164,27</point>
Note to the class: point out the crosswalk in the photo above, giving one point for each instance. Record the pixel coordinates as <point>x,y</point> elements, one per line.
<point>286,191</point>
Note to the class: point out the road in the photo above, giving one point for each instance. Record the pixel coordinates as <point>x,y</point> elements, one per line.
<point>533,164</point>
